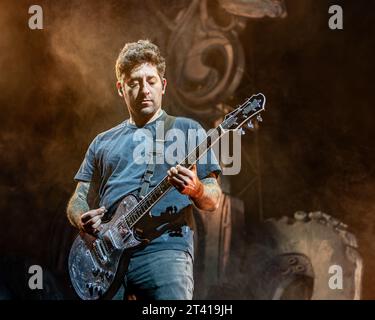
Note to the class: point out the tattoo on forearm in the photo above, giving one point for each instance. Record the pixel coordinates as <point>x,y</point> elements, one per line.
<point>78,202</point>
<point>211,195</point>
<point>82,190</point>
<point>212,188</point>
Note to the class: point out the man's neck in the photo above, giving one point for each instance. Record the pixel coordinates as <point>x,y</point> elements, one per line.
<point>153,118</point>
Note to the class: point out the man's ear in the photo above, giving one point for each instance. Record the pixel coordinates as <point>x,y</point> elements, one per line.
<point>164,83</point>
<point>119,88</point>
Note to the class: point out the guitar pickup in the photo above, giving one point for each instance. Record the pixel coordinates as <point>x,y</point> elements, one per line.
<point>110,241</point>
<point>100,250</point>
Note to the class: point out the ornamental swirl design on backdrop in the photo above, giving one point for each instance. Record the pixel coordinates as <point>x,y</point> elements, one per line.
<point>205,58</point>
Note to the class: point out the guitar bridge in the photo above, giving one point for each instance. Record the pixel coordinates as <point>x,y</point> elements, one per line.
<point>110,241</point>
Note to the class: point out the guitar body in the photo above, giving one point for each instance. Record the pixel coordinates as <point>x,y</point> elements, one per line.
<point>97,264</point>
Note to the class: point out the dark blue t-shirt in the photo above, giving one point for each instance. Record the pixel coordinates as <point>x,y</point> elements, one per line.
<point>117,160</point>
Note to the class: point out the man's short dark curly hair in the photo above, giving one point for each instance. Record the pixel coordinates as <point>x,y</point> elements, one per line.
<point>135,53</point>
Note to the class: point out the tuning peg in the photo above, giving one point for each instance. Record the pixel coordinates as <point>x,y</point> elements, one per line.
<point>259,118</point>
<point>241,132</point>
<point>250,125</point>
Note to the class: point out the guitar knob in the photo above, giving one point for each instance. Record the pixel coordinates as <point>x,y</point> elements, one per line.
<point>102,272</point>
<point>259,118</point>
<point>90,287</point>
<point>250,125</point>
<point>95,271</point>
<point>100,290</point>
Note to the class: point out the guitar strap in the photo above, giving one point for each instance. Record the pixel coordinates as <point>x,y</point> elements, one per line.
<point>146,179</point>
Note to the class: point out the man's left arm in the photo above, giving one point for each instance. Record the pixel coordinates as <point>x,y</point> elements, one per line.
<point>204,193</point>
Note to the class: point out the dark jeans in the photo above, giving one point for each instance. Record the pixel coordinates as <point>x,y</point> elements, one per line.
<point>161,275</point>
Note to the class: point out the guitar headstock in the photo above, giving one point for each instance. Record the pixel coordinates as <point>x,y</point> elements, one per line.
<point>245,113</point>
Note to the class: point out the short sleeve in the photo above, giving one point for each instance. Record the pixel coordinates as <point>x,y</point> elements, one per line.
<point>207,163</point>
<point>86,170</point>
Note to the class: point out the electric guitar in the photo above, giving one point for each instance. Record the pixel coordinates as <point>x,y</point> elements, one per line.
<point>97,263</point>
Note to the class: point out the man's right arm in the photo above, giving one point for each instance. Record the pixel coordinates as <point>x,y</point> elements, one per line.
<point>78,203</point>
<point>79,213</point>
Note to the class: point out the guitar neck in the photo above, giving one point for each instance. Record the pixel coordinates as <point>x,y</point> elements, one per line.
<point>164,186</point>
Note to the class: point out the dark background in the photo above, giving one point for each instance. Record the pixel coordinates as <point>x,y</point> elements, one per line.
<point>316,144</point>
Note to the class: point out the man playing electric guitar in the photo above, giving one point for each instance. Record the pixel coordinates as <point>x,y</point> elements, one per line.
<point>112,168</point>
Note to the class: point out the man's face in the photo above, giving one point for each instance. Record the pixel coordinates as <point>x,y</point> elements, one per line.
<point>142,91</point>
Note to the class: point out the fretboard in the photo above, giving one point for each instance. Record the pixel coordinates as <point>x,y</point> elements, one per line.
<point>164,186</point>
